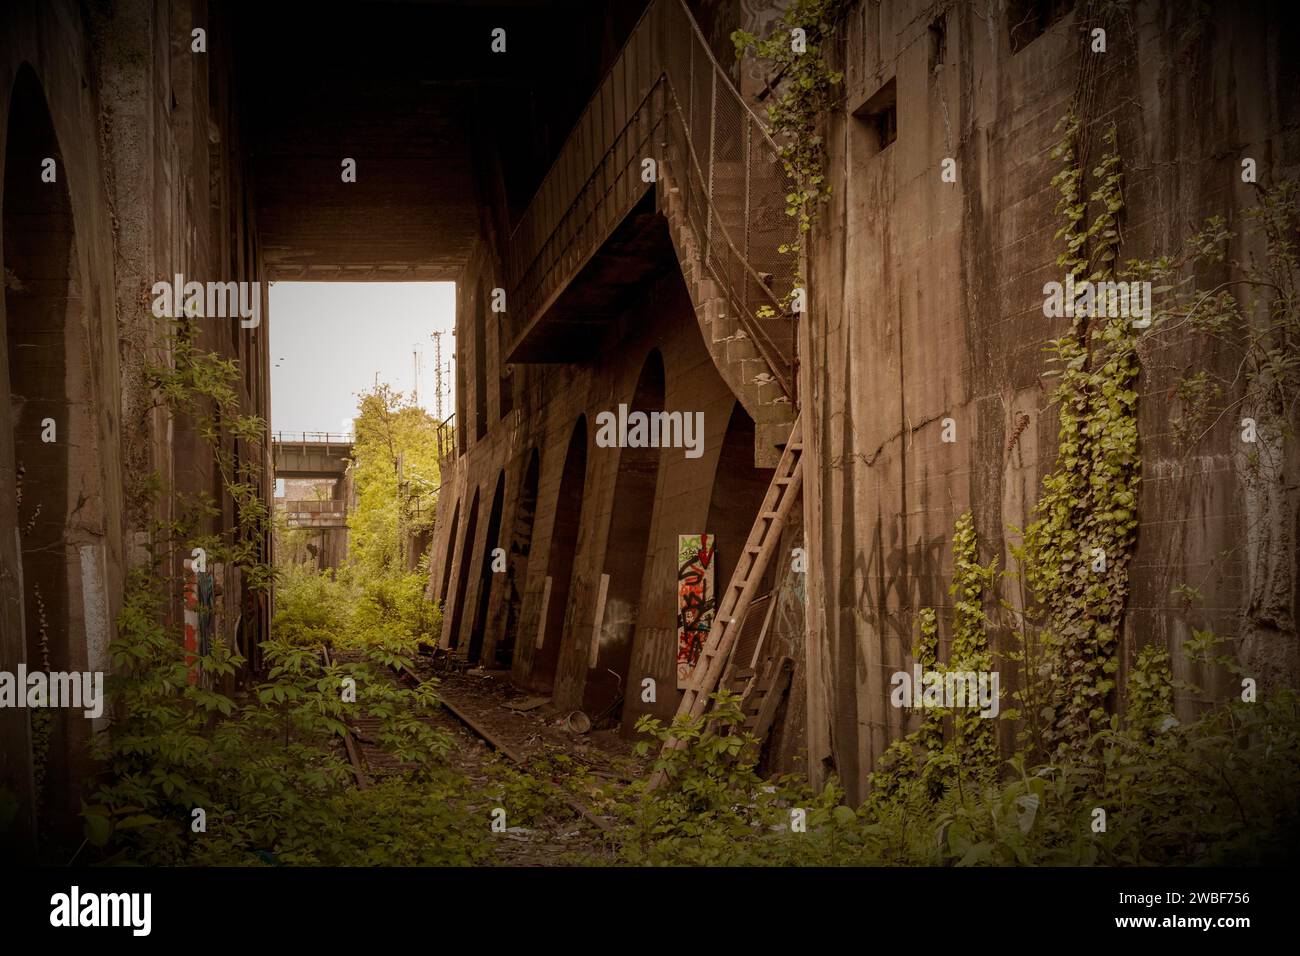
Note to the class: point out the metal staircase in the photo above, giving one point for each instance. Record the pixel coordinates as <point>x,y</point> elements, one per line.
<point>719,183</point>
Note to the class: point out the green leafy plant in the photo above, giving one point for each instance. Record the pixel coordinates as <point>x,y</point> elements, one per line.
<point>205,387</point>
<point>806,87</point>
<point>1075,553</point>
<point>395,475</point>
<point>264,767</point>
<point>971,749</point>
<point>715,808</point>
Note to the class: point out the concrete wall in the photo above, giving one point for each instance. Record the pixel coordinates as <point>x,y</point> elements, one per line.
<point>548,402</point>
<point>927,304</point>
<point>149,155</point>
<point>50,47</point>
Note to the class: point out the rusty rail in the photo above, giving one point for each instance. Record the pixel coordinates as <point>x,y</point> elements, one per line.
<point>518,759</point>
<point>349,743</point>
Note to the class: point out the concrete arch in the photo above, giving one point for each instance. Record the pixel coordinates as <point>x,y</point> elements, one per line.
<point>521,544</point>
<point>451,554</point>
<point>491,541</point>
<point>451,637</point>
<point>626,550</point>
<point>560,560</point>
<point>50,434</point>
<point>737,495</point>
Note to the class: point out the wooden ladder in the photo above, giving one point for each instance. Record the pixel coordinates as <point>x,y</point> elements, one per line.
<point>764,698</point>
<point>763,540</point>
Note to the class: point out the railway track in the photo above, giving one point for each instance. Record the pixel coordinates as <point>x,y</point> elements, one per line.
<point>350,742</point>
<point>363,754</point>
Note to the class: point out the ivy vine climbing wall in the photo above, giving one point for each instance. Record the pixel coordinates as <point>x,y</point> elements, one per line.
<point>1076,550</point>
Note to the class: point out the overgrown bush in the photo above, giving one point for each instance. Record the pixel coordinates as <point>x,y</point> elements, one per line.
<point>356,608</point>
<point>264,768</point>
<point>715,810</point>
<point>1224,789</point>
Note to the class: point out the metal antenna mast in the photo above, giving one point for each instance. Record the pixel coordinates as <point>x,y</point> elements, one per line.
<point>415,374</point>
<point>437,373</point>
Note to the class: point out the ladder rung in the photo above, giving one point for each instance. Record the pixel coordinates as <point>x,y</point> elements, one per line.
<point>762,703</point>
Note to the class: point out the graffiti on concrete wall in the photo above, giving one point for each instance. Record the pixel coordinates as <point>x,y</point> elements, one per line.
<point>696,600</point>
<point>201,590</point>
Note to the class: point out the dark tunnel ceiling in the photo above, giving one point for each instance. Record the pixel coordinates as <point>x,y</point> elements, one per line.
<point>434,119</point>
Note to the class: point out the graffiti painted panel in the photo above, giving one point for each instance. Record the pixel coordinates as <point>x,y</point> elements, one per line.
<point>696,600</point>
<point>200,590</point>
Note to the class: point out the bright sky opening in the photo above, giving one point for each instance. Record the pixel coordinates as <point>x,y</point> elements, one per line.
<point>331,341</point>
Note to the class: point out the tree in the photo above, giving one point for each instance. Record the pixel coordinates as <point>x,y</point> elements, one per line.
<point>395,463</point>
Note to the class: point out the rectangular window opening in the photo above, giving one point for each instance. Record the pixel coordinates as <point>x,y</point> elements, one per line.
<point>879,115</point>
<point>1027,20</point>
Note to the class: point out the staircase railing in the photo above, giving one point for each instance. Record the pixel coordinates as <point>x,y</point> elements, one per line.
<point>311,438</point>
<point>667,90</point>
<point>445,431</point>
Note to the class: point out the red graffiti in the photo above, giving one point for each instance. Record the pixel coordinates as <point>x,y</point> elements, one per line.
<point>191,624</point>
<point>695,604</point>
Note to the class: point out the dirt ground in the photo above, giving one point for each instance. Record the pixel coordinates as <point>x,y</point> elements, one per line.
<point>526,722</point>
<point>513,744</point>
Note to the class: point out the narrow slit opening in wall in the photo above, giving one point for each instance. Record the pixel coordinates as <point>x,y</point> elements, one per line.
<point>938,42</point>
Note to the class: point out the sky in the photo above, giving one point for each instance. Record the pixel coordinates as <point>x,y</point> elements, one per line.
<point>328,339</point>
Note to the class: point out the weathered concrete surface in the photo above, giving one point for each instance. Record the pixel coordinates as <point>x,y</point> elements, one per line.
<point>927,304</point>
<point>43,49</point>
<point>147,152</point>
<point>550,400</point>
<point>291,459</point>
<point>415,94</point>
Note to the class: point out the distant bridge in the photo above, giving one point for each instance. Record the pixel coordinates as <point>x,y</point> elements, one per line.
<point>314,514</point>
<point>310,454</point>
